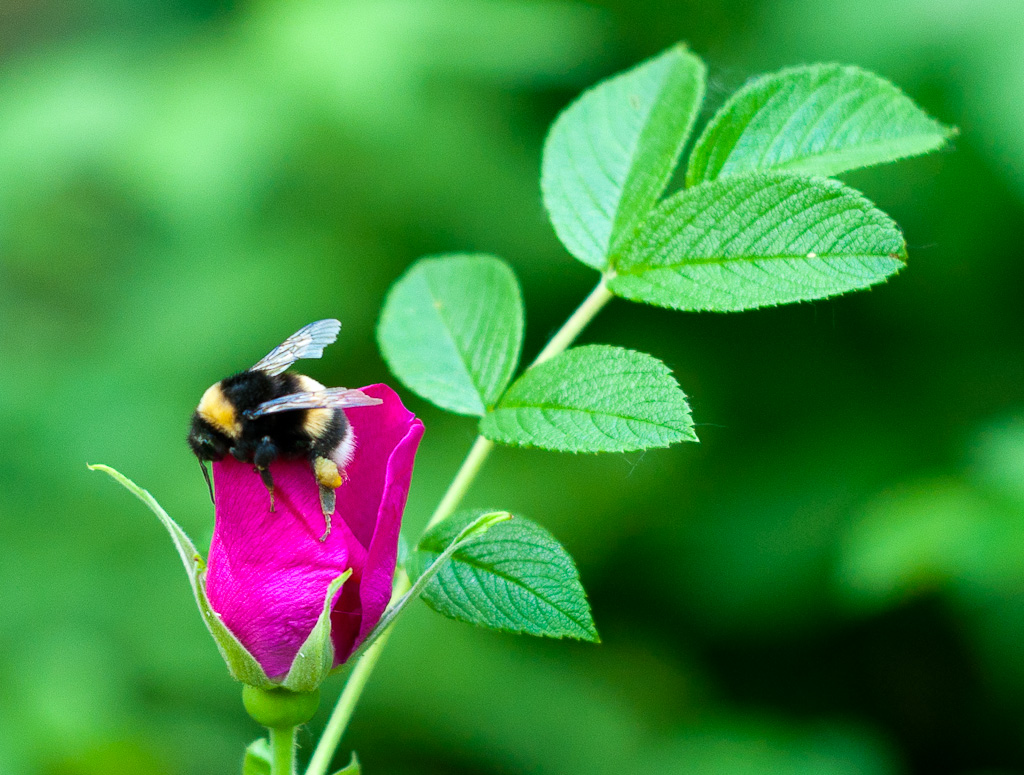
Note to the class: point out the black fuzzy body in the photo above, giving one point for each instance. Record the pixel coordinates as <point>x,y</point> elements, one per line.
<point>265,438</point>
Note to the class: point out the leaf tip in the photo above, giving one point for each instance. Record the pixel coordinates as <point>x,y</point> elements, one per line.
<point>352,768</point>
<point>682,49</point>
<point>338,583</point>
<point>490,520</point>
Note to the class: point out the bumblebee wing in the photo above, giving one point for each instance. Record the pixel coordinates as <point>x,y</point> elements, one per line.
<point>331,398</point>
<point>307,342</point>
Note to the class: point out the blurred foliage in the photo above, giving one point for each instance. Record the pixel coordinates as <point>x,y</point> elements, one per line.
<point>831,582</point>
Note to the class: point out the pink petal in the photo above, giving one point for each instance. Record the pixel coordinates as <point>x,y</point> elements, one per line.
<point>268,573</point>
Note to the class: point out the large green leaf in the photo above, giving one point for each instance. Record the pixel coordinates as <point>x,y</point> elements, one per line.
<point>758,240</point>
<point>593,399</point>
<point>610,154</point>
<point>452,328</point>
<point>813,120</point>
<point>515,577</point>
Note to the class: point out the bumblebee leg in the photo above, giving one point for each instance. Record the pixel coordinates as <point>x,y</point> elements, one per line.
<point>329,478</point>
<point>327,503</point>
<point>264,455</point>
<point>268,481</point>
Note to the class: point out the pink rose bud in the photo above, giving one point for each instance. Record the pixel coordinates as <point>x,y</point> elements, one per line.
<point>268,572</point>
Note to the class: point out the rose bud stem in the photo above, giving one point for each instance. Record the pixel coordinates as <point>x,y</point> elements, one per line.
<point>282,712</point>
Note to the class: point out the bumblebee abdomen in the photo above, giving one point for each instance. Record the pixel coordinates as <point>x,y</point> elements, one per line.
<point>316,423</point>
<point>301,432</point>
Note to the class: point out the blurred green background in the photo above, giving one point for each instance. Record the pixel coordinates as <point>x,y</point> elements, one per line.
<point>832,582</point>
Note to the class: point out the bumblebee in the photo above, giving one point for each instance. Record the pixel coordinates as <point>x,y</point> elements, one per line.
<point>267,412</point>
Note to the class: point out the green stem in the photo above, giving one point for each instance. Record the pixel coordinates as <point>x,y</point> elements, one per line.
<point>577,321</point>
<point>342,712</point>
<point>463,479</point>
<point>282,751</point>
<point>471,466</point>
<point>482,447</point>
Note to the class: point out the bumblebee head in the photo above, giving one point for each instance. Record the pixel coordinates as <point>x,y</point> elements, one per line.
<point>206,441</point>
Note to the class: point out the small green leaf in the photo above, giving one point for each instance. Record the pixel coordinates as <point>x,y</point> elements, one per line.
<point>315,657</point>
<point>611,153</point>
<point>257,758</point>
<point>516,577</point>
<point>813,120</point>
<point>593,399</point>
<point>241,664</point>
<point>452,328</point>
<point>477,527</point>
<point>352,768</point>
<point>758,240</point>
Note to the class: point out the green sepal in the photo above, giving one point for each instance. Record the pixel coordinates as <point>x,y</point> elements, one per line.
<point>241,664</point>
<point>315,657</point>
<point>352,768</point>
<point>476,528</point>
<point>257,758</point>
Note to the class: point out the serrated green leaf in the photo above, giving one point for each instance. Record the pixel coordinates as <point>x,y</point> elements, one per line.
<point>352,768</point>
<point>813,120</point>
<point>595,398</point>
<point>315,657</point>
<point>611,153</point>
<point>755,241</point>
<point>477,527</point>
<point>257,758</point>
<point>516,578</point>
<point>241,664</point>
<point>452,328</point>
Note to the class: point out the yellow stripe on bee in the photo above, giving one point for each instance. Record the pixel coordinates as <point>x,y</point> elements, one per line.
<point>308,384</point>
<point>215,408</point>
<point>317,420</point>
